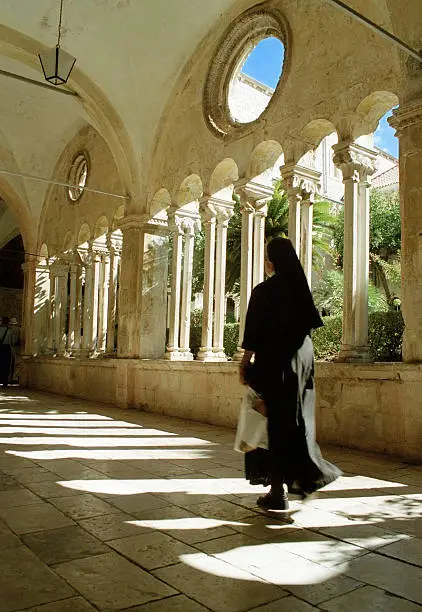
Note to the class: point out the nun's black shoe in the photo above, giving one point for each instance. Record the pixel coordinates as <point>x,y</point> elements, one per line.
<point>273,502</point>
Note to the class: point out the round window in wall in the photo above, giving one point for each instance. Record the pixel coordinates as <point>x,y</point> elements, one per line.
<point>78,176</point>
<point>255,79</point>
<point>250,64</point>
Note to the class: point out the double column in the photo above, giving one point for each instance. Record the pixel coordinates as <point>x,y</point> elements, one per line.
<point>253,207</point>
<point>183,226</point>
<point>301,185</point>
<point>357,164</point>
<point>407,120</point>
<point>215,215</point>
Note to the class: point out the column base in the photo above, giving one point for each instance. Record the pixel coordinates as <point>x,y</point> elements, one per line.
<point>209,354</point>
<point>354,354</point>
<point>178,355</point>
<point>238,354</point>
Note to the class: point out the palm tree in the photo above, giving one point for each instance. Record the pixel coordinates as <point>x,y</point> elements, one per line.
<point>277,224</point>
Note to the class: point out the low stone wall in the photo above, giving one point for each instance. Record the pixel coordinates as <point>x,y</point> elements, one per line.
<point>374,407</point>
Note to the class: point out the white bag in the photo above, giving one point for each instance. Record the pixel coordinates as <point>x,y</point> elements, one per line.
<point>251,426</point>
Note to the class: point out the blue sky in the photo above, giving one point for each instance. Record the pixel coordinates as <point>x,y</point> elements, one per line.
<point>264,64</point>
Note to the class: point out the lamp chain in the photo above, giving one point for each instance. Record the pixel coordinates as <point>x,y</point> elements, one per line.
<point>60,24</point>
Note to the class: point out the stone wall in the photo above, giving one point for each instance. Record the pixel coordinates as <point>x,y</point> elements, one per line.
<point>372,407</point>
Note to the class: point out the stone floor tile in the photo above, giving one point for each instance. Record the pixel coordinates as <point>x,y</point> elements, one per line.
<point>26,582</point>
<point>83,506</point>
<point>319,548</point>
<point>264,527</point>
<point>152,550</point>
<point>111,582</point>
<point>412,527</point>
<point>41,516</point>
<point>35,474</point>
<point>177,603</point>
<point>368,536</point>
<point>7,482</point>
<point>65,544</point>
<point>221,509</point>
<point>218,585</point>
<point>408,550</point>
<point>287,604</point>
<point>50,489</point>
<point>7,538</point>
<point>317,593</point>
<point>189,530</point>
<point>369,599</point>
<point>74,604</point>
<point>112,526</point>
<point>17,497</point>
<point>389,574</point>
<point>137,502</point>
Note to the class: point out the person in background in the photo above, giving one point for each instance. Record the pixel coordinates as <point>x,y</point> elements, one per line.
<point>7,341</point>
<point>279,320</point>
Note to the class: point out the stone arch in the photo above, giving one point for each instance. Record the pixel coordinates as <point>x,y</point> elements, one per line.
<point>190,190</point>
<point>118,215</point>
<point>98,107</point>
<point>101,228</point>
<point>68,241</point>
<point>370,110</point>
<point>315,131</point>
<point>161,200</point>
<point>20,212</point>
<point>84,234</point>
<point>223,177</point>
<point>264,158</point>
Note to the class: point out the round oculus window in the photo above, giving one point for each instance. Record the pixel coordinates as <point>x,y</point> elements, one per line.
<point>78,176</point>
<point>246,71</point>
<point>254,82</point>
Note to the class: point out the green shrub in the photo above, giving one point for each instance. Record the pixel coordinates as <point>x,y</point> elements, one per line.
<point>195,338</point>
<point>385,336</point>
<point>231,338</point>
<point>327,339</point>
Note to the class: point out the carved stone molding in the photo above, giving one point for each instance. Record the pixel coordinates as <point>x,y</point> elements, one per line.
<point>406,116</point>
<point>300,181</point>
<point>356,163</point>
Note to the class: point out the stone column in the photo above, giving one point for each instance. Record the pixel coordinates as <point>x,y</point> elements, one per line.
<point>190,225</point>
<point>114,254</point>
<point>51,337</point>
<point>407,120</point>
<point>309,191</point>
<point>80,275</point>
<point>176,228</point>
<point>224,214</point>
<point>356,164</point>
<point>62,303</point>
<point>88,258</point>
<point>142,288</point>
<point>208,218</point>
<point>296,179</point>
<point>253,206</point>
<point>259,243</point>
<point>103,292</point>
<point>74,273</point>
<point>29,270</point>
<point>247,211</point>
<point>41,309</point>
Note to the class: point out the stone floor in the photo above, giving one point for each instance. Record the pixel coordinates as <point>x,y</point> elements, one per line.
<point>106,509</point>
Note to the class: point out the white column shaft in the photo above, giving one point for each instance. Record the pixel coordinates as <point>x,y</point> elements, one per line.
<point>258,247</point>
<point>294,219</point>
<point>220,286</point>
<point>186,293</point>
<point>208,305</point>
<point>362,269</point>
<point>174,327</point>
<point>306,239</point>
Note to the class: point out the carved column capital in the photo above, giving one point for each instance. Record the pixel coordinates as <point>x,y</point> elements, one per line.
<point>300,182</point>
<point>356,163</point>
<point>406,116</point>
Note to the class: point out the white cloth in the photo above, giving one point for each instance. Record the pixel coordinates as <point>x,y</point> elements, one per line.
<point>251,426</point>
